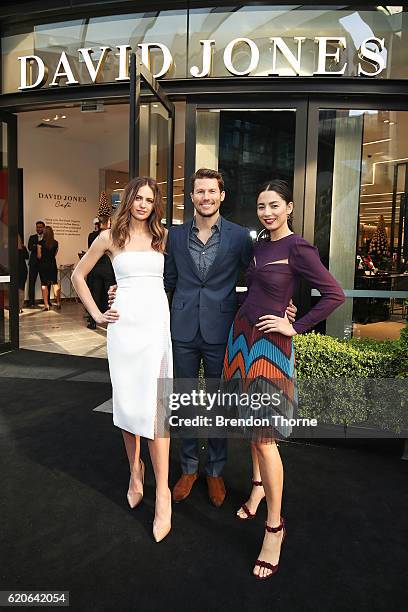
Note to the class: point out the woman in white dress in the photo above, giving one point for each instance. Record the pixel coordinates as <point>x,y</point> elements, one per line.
<point>139,342</point>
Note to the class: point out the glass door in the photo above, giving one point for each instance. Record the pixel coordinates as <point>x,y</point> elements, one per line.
<point>8,233</point>
<point>151,132</point>
<point>249,145</point>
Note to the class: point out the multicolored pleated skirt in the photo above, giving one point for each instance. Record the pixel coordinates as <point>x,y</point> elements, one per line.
<point>259,369</point>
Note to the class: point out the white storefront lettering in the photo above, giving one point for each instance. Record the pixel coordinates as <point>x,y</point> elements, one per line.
<point>372,51</point>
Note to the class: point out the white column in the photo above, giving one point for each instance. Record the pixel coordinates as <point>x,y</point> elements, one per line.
<point>345,205</point>
<point>207,138</point>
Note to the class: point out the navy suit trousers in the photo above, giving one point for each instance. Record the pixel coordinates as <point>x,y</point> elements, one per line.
<point>187,357</point>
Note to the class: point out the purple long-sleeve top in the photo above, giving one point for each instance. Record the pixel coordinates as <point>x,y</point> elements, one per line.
<point>271,285</point>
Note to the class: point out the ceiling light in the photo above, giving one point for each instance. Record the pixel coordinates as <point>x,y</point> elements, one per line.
<point>117,182</point>
<point>376,141</point>
<point>371,195</point>
<point>375,164</point>
<point>174,180</point>
<point>63,116</point>
<point>155,106</point>
<point>386,120</point>
<point>46,119</point>
<point>56,118</point>
<point>392,122</point>
<point>376,202</point>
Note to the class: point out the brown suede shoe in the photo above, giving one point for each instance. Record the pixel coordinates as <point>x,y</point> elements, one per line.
<point>183,486</point>
<point>216,490</point>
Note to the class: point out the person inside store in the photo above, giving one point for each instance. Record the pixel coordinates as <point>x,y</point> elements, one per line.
<point>47,250</point>
<point>33,263</point>
<point>97,227</point>
<point>102,276</point>
<point>138,341</point>
<point>96,230</point>
<point>260,356</point>
<point>23,255</point>
<point>91,237</point>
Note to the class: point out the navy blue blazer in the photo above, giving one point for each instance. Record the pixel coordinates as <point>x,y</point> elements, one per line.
<point>208,305</point>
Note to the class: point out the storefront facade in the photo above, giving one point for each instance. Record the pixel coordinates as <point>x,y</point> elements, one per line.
<point>316,96</point>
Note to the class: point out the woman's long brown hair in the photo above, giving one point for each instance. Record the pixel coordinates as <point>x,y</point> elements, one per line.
<point>121,221</point>
<point>49,239</point>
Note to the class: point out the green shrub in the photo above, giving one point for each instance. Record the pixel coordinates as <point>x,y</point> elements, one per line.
<point>353,381</point>
<point>320,356</point>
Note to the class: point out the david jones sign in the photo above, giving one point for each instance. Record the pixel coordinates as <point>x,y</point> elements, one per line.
<point>372,51</point>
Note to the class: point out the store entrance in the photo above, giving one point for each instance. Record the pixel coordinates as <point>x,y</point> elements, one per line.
<point>73,163</point>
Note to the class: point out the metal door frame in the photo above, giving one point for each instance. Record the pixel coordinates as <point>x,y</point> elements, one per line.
<point>139,76</point>
<point>11,121</point>
<point>403,209</point>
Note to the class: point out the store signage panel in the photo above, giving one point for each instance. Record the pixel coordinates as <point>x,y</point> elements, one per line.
<point>330,58</point>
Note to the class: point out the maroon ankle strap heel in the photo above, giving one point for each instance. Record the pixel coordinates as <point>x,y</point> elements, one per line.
<point>244,507</point>
<point>269,566</point>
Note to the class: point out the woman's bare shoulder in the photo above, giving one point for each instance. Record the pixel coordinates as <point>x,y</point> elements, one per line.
<point>105,237</point>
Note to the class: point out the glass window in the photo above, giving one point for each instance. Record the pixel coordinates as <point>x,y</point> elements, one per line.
<point>361,217</point>
<point>249,147</point>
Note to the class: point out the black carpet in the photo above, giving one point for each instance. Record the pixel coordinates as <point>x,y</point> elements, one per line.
<point>66,525</point>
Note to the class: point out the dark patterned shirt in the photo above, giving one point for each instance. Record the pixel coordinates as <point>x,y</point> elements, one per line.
<point>204,254</point>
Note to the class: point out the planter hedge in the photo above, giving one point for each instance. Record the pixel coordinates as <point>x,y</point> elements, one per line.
<point>354,382</point>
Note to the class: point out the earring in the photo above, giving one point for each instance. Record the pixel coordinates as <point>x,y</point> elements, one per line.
<point>260,235</point>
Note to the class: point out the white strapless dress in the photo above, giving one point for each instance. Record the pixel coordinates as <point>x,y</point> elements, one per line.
<point>139,343</point>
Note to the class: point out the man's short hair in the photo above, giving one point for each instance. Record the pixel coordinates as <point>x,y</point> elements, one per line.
<point>203,173</point>
<point>40,223</point>
<point>103,219</point>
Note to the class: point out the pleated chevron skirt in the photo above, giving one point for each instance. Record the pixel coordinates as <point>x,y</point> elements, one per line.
<point>259,369</point>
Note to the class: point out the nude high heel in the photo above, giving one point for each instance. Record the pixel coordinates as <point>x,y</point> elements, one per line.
<point>133,498</point>
<point>159,533</point>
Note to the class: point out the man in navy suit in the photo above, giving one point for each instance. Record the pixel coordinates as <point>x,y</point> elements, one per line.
<point>204,258</point>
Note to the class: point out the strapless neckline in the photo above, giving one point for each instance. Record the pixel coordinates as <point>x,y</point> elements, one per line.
<point>124,252</point>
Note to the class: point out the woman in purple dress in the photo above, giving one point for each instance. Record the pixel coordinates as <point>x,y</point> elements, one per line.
<point>259,357</point>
